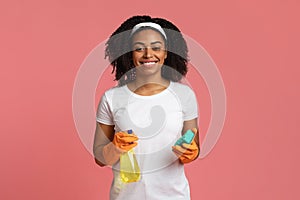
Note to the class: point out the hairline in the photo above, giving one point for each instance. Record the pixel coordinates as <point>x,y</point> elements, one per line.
<point>147,28</point>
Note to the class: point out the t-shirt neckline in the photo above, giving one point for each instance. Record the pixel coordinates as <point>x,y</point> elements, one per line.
<point>150,96</point>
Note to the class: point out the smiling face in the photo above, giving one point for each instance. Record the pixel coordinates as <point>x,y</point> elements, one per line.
<point>149,50</point>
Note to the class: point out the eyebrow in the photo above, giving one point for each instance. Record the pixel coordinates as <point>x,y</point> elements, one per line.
<point>156,42</point>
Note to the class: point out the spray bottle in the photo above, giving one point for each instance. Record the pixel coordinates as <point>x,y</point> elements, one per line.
<point>129,168</point>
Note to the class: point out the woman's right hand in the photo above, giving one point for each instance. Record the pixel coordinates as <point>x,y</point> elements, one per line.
<point>125,141</point>
<point>109,153</point>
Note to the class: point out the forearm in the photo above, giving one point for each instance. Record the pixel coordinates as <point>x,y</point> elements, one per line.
<point>108,146</point>
<point>99,156</point>
<point>107,154</point>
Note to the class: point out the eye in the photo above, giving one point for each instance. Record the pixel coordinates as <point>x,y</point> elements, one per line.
<point>157,48</point>
<point>139,49</point>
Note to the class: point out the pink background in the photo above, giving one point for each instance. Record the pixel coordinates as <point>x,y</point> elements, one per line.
<point>255,45</point>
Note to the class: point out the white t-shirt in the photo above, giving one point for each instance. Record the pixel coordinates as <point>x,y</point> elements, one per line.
<point>157,120</point>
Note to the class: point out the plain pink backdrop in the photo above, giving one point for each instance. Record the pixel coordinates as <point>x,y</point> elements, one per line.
<point>254,43</point>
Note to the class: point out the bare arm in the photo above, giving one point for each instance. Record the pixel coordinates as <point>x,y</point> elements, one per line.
<point>189,125</point>
<point>104,135</point>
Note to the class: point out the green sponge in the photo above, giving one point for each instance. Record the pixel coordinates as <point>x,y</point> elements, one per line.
<point>186,138</point>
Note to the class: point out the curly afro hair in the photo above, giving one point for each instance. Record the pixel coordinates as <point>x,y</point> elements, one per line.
<point>118,50</point>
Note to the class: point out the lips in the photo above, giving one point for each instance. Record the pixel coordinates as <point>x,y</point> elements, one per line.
<point>149,63</point>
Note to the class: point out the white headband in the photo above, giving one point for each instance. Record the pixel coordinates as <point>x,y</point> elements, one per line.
<point>148,24</point>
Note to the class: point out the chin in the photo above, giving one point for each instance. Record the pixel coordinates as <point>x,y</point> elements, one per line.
<point>146,70</point>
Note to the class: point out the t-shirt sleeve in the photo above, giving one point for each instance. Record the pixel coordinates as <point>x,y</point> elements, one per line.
<point>104,114</point>
<point>190,106</point>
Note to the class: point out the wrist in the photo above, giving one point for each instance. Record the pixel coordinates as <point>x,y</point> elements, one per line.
<point>111,154</point>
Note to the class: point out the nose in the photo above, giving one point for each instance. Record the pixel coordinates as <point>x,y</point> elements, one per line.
<point>148,53</point>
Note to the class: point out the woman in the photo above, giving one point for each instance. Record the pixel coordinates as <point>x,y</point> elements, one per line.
<point>149,57</point>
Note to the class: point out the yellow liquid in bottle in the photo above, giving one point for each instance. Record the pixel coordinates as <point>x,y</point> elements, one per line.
<point>129,168</point>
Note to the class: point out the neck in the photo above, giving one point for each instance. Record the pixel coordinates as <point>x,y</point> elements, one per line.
<point>150,81</point>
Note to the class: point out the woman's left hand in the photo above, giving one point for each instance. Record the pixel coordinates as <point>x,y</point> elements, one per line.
<point>186,152</point>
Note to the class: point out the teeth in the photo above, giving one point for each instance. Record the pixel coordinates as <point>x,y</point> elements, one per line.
<point>149,63</point>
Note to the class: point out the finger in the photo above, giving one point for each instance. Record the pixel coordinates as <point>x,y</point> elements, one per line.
<point>177,154</point>
<point>126,135</point>
<point>122,134</point>
<point>126,138</point>
<point>184,158</point>
<point>127,146</point>
<point>192,147</point>
<point>188,158</point>
<point>194,130</point>
<point>179,150</point>
<point>184,151</point>
<point>132,145</point>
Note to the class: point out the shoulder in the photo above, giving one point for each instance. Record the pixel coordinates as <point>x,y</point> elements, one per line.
<point>181,88</point>
<point>184,93</point>
<point>114,90</point>
<point>115,94</point>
